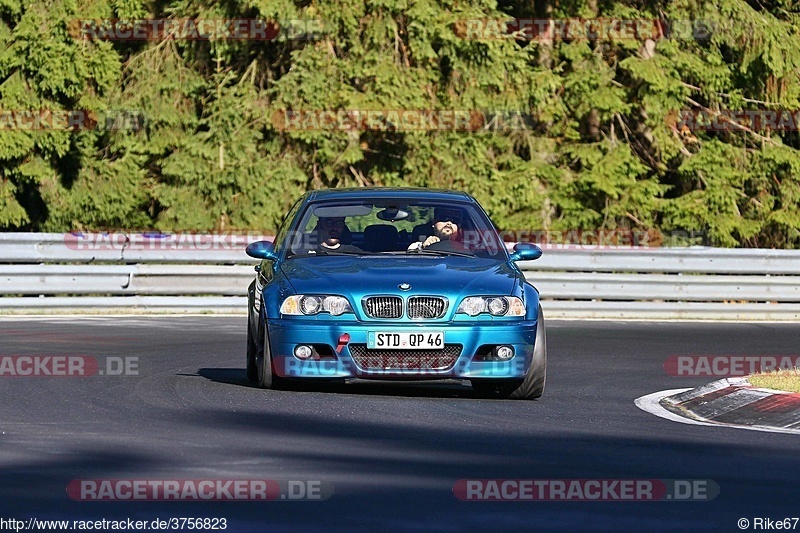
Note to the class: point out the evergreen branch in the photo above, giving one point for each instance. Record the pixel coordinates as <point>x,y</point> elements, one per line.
<point>632,217</point>
<point>400,49</point>
<point>732,123</point>
<point>641,149</point>
<point>359,177</point>
<point>727,95</point>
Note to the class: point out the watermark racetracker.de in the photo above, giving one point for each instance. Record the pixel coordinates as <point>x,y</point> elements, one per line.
<point>156,240</point>
<point>122,243</point>
<point>728,120</point>
<point>727,365</point>
<point>140,489</point>
<point>590,490</point>
<point>39,366</point>
<point>71,120</point>
<point>195,29</point>
<point>395,119</point>
<point>582,29</point>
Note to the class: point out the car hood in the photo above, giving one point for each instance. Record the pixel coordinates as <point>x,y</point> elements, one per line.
<point>453,276</point>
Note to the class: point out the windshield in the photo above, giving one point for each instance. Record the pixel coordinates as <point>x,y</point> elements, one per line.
<point>393,227</point>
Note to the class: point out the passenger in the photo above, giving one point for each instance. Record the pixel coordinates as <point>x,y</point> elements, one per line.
<point>331,232</point>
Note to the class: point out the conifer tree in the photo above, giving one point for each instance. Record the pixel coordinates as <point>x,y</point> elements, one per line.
<point>603,143</point>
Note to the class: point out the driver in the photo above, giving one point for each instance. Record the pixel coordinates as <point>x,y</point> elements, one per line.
<point>446,232</point>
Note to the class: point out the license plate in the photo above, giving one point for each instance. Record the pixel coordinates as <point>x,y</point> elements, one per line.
<point>404,340</point>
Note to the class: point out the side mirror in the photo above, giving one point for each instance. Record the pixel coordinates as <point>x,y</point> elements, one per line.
<point>525,251</point>
<point>261,250</point>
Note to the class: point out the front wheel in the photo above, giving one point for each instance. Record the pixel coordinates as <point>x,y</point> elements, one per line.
<point>252,367</point>
<point>266,377</point>
<point>532,386</point>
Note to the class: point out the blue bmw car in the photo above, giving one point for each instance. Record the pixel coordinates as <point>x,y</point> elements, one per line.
<point>394,284</point>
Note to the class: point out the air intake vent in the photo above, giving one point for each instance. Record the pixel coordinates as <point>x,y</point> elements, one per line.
<point>383,307</point>
<point>426,307</point>
<point>399,360</point>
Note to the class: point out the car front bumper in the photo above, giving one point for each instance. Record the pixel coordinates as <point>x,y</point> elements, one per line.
<point>466,343</point>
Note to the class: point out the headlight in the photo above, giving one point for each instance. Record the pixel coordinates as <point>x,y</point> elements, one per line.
<point>497,306</point>
<point>302,304</point>
<point>494,305</point>
<point>473,306</point>
<point>310,305</point>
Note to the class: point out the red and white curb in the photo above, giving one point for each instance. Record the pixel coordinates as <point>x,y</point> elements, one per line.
<point>730,402</point>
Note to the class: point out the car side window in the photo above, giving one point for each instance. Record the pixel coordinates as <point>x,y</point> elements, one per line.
<point>280,237</point>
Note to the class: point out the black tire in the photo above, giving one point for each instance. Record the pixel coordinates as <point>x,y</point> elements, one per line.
<point>265,370</point>
<point>532,386</point>
<point>264,363</point>
<point>252,368</point>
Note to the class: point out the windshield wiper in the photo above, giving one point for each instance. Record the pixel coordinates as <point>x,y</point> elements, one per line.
<point>441,252</point>
<point>339,252</point>
<point>321,252</point>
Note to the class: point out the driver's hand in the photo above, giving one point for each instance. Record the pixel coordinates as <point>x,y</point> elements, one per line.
<point>430,240</point>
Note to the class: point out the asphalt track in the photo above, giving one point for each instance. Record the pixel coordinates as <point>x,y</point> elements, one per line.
<point>391,451</point>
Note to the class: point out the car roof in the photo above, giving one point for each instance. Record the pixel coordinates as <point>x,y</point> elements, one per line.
<point>371,193</point>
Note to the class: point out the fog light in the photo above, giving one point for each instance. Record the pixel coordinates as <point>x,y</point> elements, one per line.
<point>302,351</point>
<point>504,353</point>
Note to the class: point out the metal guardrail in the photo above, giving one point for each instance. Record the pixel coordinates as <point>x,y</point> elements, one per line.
<point>693,260</point>
<point>125,248</point>
<point>186,273</point>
